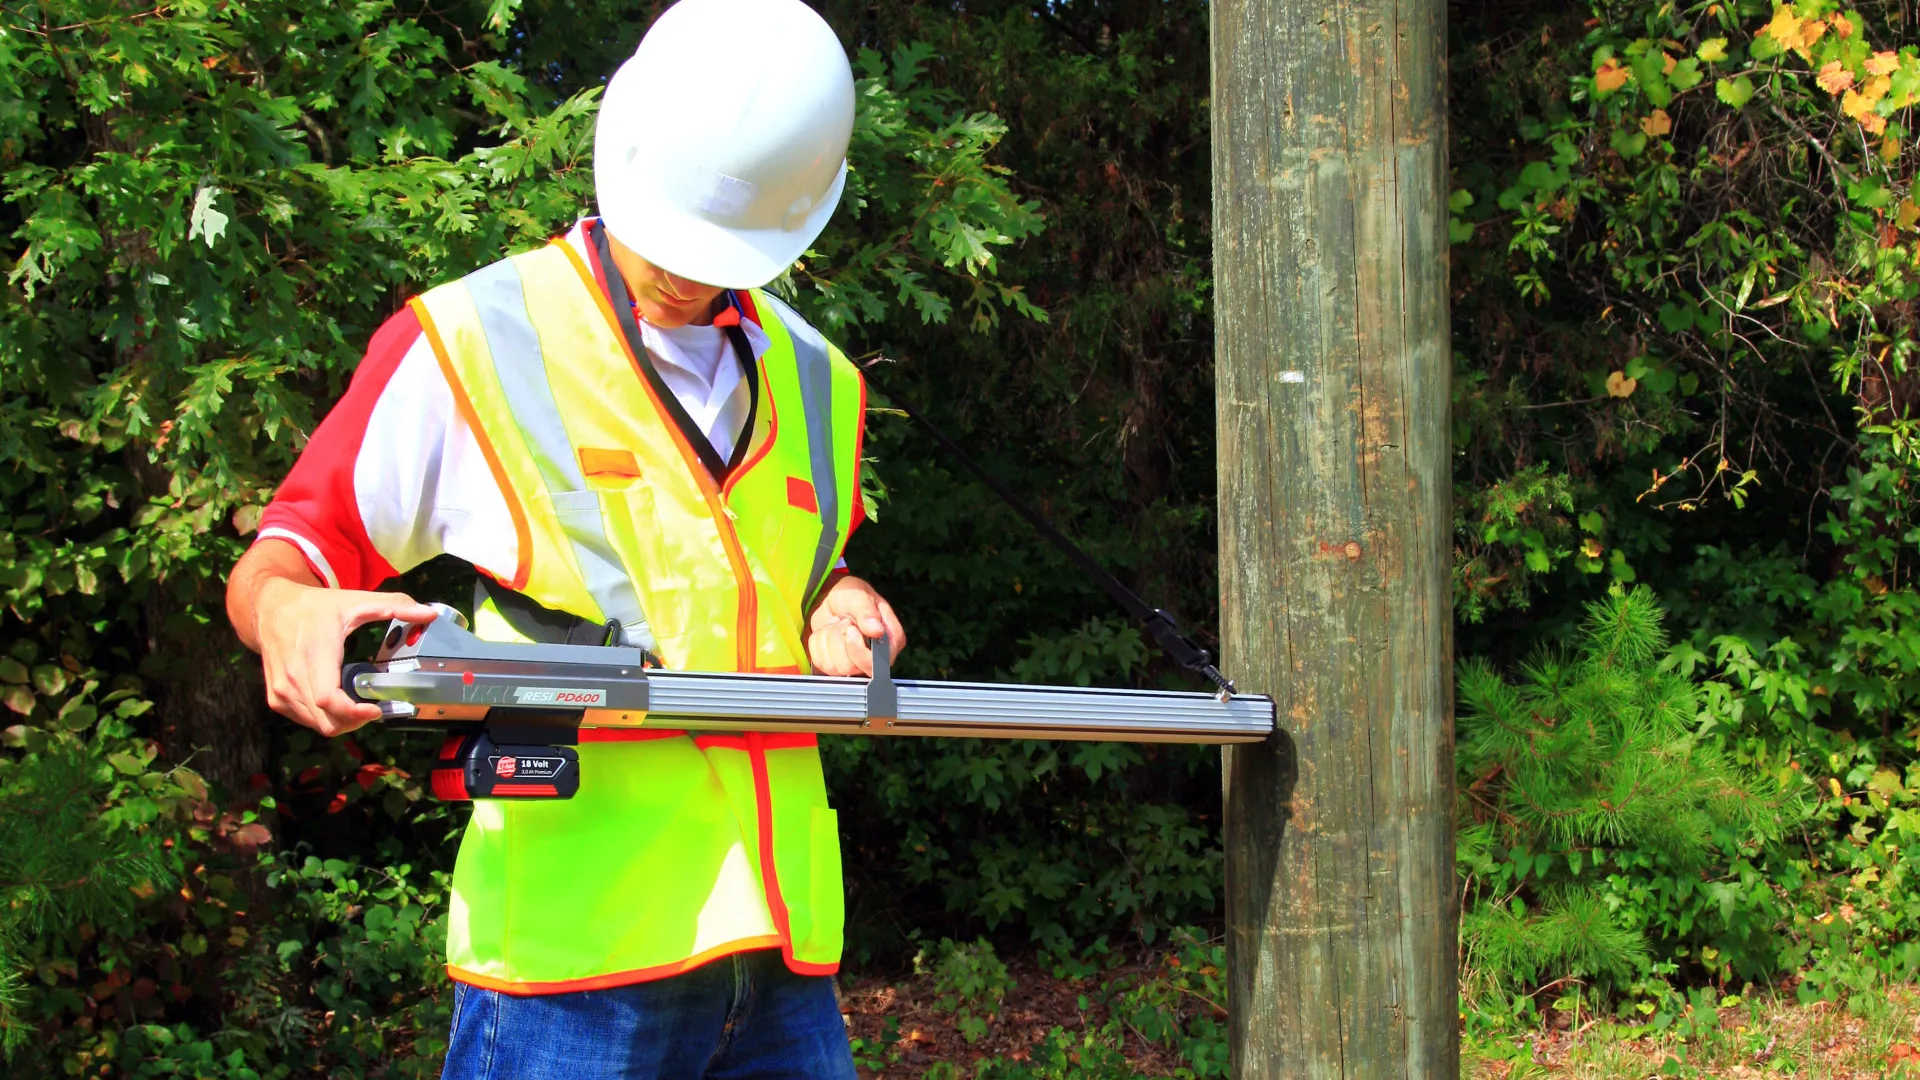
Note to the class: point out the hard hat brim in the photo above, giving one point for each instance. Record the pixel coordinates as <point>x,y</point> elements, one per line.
<point>692,247</point>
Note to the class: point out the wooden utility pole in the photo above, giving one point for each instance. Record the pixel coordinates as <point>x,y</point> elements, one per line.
<point>1331,367</point>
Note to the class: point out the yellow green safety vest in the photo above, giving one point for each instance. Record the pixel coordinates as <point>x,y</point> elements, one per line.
<point>643,873</point>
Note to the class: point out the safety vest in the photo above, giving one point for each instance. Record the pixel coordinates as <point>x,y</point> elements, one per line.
<point>678,849</point>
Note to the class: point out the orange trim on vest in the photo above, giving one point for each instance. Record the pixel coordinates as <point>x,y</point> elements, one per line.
<point>860,434</point>
<point>522,531</point>
<point>747,615</point>
<point>622,978</point>
<point>769,875</point>
<point>769,740</point>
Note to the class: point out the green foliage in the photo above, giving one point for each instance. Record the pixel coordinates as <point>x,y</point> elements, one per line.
<point>969,981</point>
<point>926,196</point>
<point>1093,1055</point>
<point>1182,1003</point>
<point>1730,248</point>
<point>1599,826</point>
<point>131,905</point>
<point>368,944</point>
<point>1176,1003</point>
<point>88,831</point>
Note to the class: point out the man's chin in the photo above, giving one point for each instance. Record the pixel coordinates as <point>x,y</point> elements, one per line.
<point>665,318</point>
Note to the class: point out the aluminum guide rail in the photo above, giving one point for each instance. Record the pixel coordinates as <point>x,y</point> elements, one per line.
<point>441,674</point>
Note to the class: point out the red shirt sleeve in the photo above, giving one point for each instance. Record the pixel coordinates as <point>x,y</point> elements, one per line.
<point>315,509</point>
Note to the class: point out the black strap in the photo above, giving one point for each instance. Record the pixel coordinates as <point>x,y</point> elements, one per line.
<point>1158,622</point>
<point>622,302</point>
<point>537,622</point>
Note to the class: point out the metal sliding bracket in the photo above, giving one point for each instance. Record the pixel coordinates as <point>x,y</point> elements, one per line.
<point>883,698</point>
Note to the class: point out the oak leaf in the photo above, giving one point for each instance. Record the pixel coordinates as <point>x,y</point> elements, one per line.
<point>1657,124</point>
<point>1620,386</point>
<point>1883,63</point>
<point>1834,77</point>
<point>1610,77</point>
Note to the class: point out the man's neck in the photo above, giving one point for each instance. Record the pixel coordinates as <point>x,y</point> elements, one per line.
<point>632,268</point>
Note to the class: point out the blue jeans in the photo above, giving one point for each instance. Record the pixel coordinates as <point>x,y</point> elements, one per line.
<point>738,1017</point>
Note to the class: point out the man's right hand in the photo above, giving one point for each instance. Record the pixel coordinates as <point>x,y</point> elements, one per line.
<point>299,628</point>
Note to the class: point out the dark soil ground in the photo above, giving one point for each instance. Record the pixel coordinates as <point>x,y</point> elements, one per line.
<point>1037,1004</point>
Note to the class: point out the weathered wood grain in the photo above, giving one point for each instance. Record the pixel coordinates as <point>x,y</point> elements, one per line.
<point>1332,362</point>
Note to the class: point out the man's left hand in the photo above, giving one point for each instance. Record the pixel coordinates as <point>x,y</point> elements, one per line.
<point>842,622</point>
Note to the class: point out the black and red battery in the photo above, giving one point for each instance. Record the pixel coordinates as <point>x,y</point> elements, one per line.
<point>472,766</point>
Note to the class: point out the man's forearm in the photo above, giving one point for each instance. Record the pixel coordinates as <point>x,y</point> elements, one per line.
<point>268,564</point>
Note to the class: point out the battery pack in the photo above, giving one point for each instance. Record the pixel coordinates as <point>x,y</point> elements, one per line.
<point>472,766</point>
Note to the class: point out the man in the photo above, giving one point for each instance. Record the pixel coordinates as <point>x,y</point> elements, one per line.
<point>622,426</point>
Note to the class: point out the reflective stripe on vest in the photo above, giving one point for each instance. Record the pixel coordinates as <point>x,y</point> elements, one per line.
<point>501,306</point>
<point>677,849</point>
<point>816,394</point>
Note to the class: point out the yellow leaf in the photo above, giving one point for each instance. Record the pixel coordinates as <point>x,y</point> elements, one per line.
<point>1590,548</point>
<point>1668,63</point>
<point>1620,386</point>
<point>1883,63</point>
<point>1889,150</point>
<point>1785,28</point>
<point>1811,30</point>
<point>1834,77</point>
<point>1657,124</point>
<point>1713,50</point>
<point>1875,88</point>
<point>1907,216</point>
<point>1874,123</point>
<point>1610,77</point>
<point>1842,26</point>
<point>1855,104</point>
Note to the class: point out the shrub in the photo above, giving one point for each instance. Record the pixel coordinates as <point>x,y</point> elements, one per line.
<point>1599,830</point>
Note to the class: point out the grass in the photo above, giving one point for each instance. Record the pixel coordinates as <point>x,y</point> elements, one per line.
<point>1159,1015</point>
<point>1769,1035</point>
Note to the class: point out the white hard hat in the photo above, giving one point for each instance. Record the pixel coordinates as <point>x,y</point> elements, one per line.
<point>721,147</point>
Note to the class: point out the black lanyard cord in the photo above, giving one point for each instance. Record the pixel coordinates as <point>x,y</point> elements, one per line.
<point>1158,622</point>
